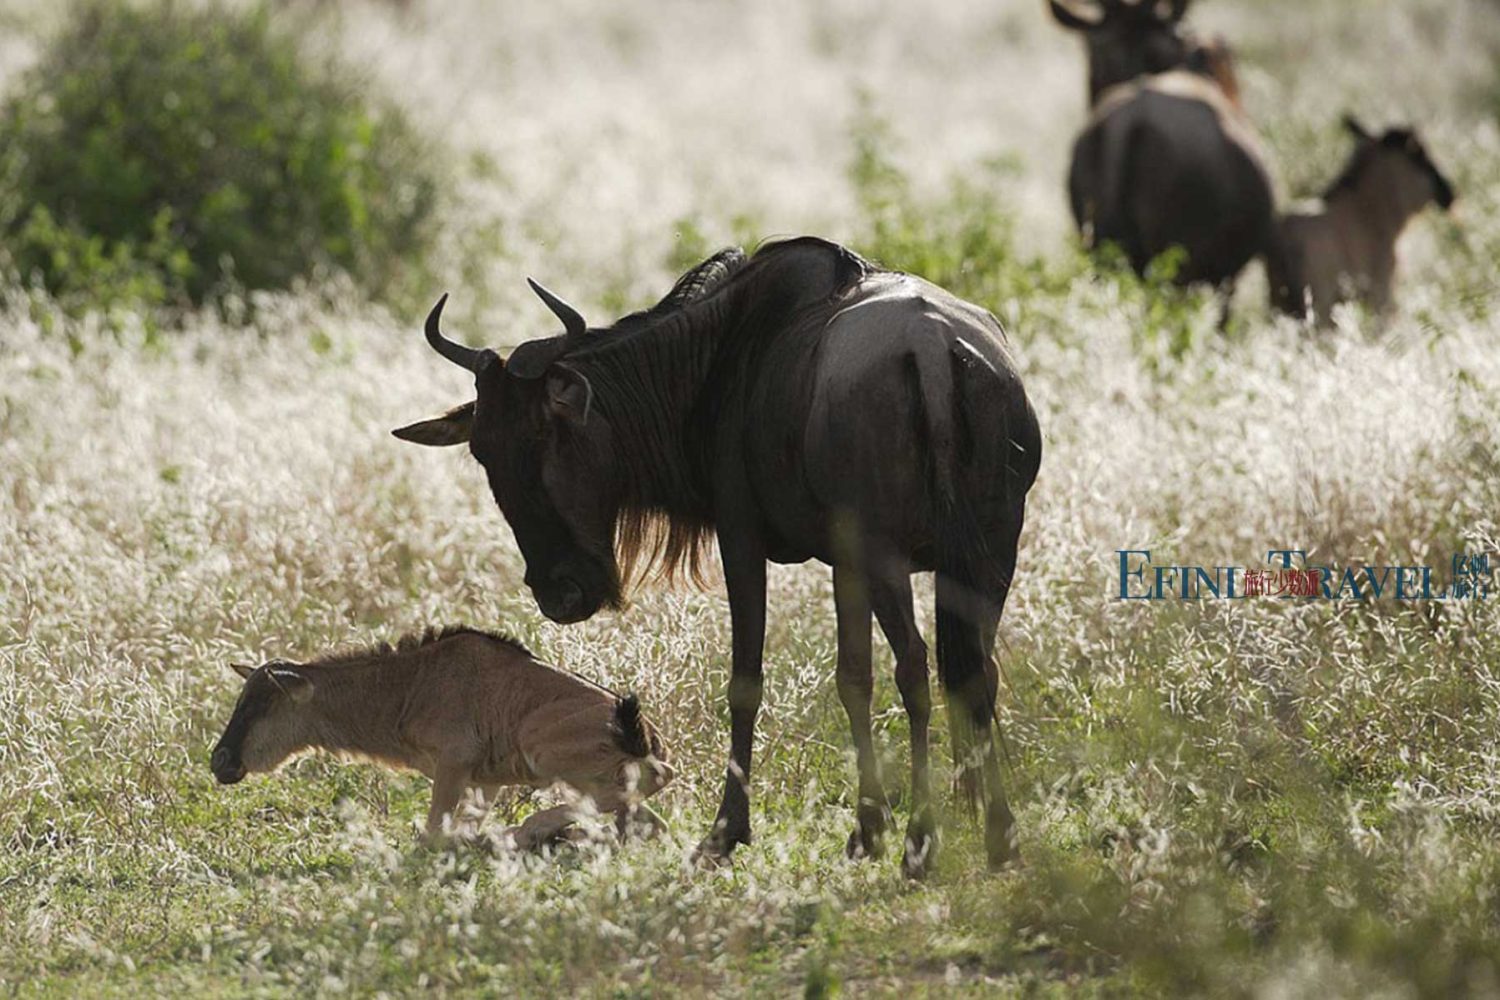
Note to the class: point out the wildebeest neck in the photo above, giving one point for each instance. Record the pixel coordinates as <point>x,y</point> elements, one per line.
<point>671,379</point>
<point>664,378</point>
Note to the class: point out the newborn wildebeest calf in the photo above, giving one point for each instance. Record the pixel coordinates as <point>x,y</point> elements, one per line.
<point>468,709</point>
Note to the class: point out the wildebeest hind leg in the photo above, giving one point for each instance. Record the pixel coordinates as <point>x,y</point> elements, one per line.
<point>851,596</point>
<point>890,596</point>
<point>998,822</point>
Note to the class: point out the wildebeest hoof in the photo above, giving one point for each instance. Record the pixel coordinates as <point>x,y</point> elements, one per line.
<point>714,850</point>
<point>920,855</point>
<point>1000,844</point>
<point>868,838</point>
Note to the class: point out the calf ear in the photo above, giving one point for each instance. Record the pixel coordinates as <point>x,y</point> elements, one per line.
<point>453,427</point>
<point>569,394</point>
<point>242,670</point>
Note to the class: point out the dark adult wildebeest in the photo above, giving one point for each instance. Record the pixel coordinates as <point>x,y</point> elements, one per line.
<point>1348,250</point>
<point>1167,158</point>
<point>802,404</point>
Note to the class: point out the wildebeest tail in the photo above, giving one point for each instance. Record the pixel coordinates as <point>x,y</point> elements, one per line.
<point>962,660</point>
<point>630,729</point>
<point>963,563</point>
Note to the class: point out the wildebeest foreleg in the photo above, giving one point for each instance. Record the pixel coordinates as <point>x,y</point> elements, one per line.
<point>890,596</point>
<point>851,595</point>
<point>744,561</point>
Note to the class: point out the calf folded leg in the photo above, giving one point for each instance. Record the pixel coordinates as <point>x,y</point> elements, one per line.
<point>542,828</point>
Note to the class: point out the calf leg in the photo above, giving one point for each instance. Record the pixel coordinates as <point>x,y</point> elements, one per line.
<point>448,785</point>
<point>638,819</point>
<point>851,595</point>
<point>890,595</point>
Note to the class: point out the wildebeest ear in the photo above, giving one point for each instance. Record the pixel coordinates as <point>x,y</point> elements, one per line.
<point>1354,128</point>
<point>569,394</point>
<point>242,670</point>
<point>1072,15</point>
<point>453,427</point>
<point>1170,11</point>
<point>296,685</point>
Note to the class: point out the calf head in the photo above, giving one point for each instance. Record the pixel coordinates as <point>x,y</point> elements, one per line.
<point>270,722</point>
<point>1406,173</point>
<point>1126,38</point>
<point>548,454</point>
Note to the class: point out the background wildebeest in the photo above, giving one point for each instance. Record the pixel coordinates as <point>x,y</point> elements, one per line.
<point>1348,250</point>
<point>468,709</point>
<point>802,404</point>
<point>1167,159</point>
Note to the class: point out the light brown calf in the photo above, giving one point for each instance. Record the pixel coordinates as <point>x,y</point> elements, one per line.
<point>1347,251</point>
<point>468,709</point>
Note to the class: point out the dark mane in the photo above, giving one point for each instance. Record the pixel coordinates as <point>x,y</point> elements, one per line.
<point>664,356</point>
<point>415,641</point>
<point>697,283</point>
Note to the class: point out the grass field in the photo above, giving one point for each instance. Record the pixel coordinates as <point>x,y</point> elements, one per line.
<point>1257,798</point>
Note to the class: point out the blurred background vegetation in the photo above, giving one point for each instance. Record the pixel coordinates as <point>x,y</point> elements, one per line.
<point>1258,799</point>
<point>168,154</point>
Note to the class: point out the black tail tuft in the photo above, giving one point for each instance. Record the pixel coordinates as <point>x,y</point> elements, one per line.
<point>630,728</point>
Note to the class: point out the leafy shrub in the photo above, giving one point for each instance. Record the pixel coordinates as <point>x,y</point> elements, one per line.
<point>163,152</point>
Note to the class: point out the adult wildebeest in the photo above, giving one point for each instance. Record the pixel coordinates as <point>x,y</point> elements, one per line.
<point>466,708</point>
<point>802,404</point>
<point>1348,250</point>
<point>1167,158</point>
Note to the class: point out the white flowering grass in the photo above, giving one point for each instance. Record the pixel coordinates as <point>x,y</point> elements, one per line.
<point>1259,798</point>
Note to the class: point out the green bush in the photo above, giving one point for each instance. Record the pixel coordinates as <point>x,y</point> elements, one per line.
<point>164,152</point>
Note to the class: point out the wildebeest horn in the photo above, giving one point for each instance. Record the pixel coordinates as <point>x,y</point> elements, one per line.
<point>1080,17</point>
<point>1354,128</point>
<point>572,320</point>
<point>464,357</point>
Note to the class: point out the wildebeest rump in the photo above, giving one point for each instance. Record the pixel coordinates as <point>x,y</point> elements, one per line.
<point>466,708</point>
<point>1348,250</point>
<point>1167,159</point>
<point>801,404</point>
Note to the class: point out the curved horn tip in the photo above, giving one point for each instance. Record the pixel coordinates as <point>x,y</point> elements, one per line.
<point>572,320</point>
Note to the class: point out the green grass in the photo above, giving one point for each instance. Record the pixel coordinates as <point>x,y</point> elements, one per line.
<point>1226,799</point>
